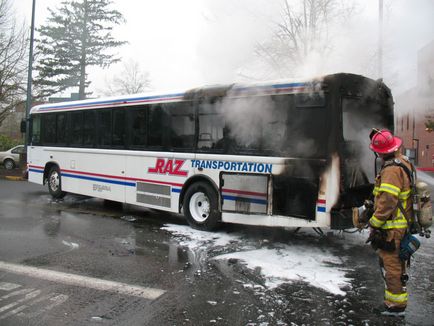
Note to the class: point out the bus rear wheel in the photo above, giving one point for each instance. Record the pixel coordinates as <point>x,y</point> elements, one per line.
<point>201,207</point>
<point>55,183</point>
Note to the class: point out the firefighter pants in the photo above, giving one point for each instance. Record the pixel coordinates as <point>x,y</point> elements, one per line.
<point>393,269</point>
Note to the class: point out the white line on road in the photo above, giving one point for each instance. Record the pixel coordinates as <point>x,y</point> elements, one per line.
<point>15,293</point>
<point>82,281</point>
<point>28,296</point>
<point>56,300</point>
<point>8,286</point>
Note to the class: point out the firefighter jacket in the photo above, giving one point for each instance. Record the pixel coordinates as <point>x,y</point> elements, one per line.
<point>392,185</point>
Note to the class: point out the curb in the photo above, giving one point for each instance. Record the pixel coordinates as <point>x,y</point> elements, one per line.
<point>13,178</point>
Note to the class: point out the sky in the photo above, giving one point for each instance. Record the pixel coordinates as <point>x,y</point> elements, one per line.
<point>191,43</point>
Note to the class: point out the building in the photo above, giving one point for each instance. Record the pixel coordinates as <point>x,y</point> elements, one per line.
<point>414,108</point>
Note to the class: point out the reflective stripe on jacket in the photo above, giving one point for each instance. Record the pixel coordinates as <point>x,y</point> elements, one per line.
<point>391,186</point>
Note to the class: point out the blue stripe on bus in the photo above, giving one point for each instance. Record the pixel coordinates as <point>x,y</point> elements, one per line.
<point>290,85</point>
<point>176,190</point>
<point>321,209</point>
<point>250,200</point>
<point>116,182</point>
<point>37,171</point>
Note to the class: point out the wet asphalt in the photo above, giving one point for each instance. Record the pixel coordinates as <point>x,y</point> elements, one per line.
<point>89,237</point>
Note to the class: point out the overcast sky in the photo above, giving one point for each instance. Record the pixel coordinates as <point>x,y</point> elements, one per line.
<point>190,43</point>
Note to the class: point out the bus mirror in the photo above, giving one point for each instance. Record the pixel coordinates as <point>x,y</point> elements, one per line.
<point>23,126</point>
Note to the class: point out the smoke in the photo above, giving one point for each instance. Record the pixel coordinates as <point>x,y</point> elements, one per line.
<point>248,118</point>
<point>291,126</point>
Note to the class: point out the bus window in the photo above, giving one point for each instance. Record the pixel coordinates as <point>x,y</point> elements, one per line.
<point>159,123</point>
<point>89,128</point>
<point>359,116</point>
<point>211,125</point>
<point>48,129</point>
<point>76,124</point>
<point>274,126</point>
<point>61,128</point>
<point>310,100</point>
<point>244,117</point>
<point>104,123</point>
<point>36,130</point>
<point>138,119</point>
<point>118,139</point>
<point>182,125</point>
<point>307,128</point>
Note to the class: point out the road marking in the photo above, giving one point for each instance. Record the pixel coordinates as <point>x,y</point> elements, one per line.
<point>56,300</point>
<point>28,296</point>
<point>8,286</point>
<point>82,281</point>
<point>15,293</point>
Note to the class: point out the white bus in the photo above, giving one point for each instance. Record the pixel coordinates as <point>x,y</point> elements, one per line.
<point>283,154</point>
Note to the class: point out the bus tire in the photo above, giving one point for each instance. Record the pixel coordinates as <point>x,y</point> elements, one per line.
<point>55,183</point>
<point>201,207</point>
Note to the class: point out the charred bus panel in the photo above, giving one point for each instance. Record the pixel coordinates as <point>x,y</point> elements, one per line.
<point>313,126</point>
<point>365,104</point>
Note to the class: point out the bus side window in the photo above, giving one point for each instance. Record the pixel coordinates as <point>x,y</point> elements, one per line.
<point>119,135</point>
<point>35,127</point>
<point>89,130</point>
<point>75,125</point>
<point>182,125</point>
<point>104,128</point>
<point>211,125</point>
<point>138,122</point>
<point>61,128</point>
<point>48,129</point>
<point>159,123</point>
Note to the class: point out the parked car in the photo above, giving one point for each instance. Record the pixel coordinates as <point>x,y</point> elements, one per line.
<point>11,158</point>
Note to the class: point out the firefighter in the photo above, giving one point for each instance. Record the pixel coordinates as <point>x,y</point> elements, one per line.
<point>388,223</point>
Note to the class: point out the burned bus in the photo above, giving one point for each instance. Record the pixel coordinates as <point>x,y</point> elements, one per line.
<point>286,154</point>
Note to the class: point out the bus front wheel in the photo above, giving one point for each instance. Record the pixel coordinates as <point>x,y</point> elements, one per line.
<point>201,207</point>
<point>55,183</point>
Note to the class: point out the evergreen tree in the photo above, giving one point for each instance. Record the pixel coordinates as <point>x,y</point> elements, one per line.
<point>76,36</point>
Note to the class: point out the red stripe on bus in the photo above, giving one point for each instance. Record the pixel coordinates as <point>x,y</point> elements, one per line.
<point>321,201</point>
<point>36,166</point>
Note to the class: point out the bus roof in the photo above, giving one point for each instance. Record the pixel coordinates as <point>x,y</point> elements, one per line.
<point>231,90</point>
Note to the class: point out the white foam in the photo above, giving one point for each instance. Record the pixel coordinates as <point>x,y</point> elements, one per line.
<point>279,265</point>
<point>296,263</point>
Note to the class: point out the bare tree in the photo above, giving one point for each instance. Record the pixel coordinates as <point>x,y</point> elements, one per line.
<point>303,30</point>
<point>131,80</point>
<point>13,45</point>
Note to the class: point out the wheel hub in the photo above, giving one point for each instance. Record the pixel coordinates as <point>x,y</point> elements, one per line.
<point>54,181</point>
<point>200,207</point>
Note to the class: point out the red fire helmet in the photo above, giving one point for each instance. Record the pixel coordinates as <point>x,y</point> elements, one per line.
<point>383,142</point>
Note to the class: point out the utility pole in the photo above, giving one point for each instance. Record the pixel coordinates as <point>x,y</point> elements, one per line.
<point>29,74</point>
<point>380,39</point>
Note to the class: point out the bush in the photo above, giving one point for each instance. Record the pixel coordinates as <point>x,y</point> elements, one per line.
<point>7,143</point>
